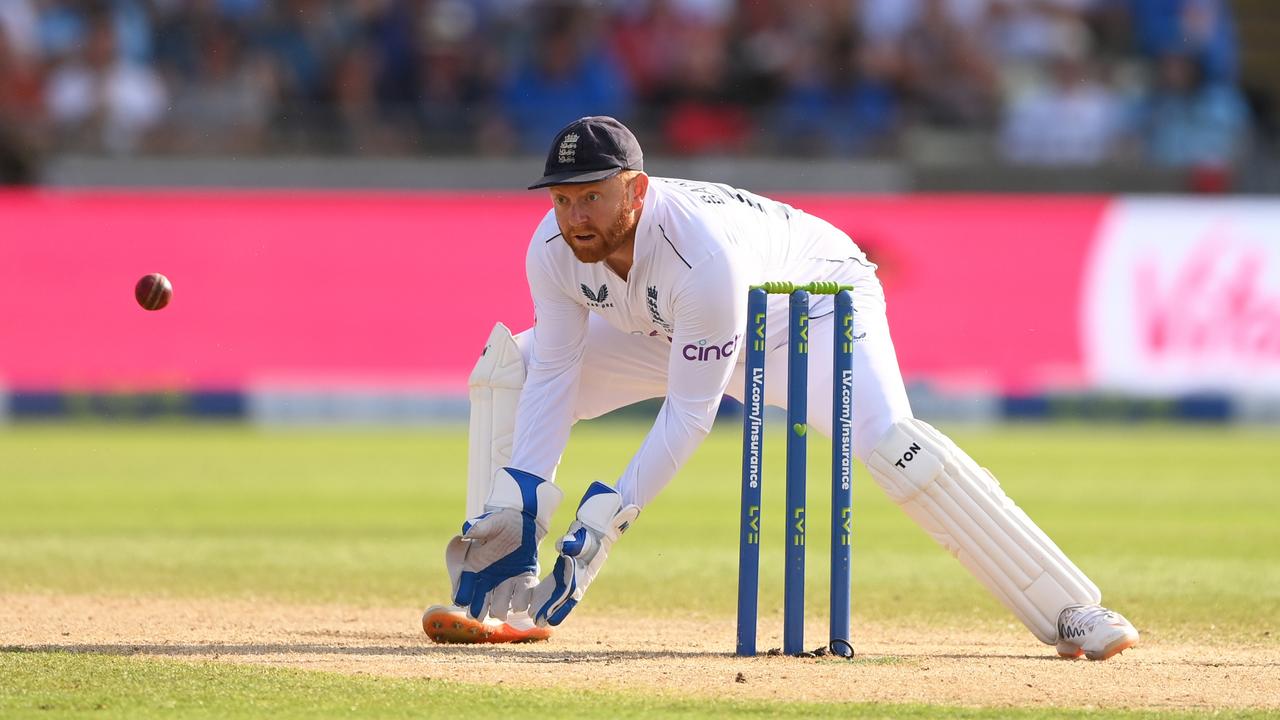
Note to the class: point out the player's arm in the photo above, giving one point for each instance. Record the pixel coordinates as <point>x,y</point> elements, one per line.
<point>544,414</point>
<point>710,312</point>
<point>493,563</point>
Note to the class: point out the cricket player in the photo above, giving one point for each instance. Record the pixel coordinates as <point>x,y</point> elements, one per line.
<point>639,287</point>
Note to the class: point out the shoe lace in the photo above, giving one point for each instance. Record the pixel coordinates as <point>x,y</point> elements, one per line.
<point>1080,620</point>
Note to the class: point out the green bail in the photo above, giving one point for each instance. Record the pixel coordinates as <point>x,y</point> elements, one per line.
<point>818,287</point>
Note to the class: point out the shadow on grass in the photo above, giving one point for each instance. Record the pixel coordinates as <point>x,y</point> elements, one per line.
<point>506,653</point>
<point>530,653</point>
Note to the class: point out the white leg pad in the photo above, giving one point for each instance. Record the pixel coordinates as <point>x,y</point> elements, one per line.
<point>495,386</point>
<point>963,507</point>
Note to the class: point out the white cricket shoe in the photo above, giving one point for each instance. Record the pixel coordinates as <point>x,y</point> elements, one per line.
<point>1093,631</point>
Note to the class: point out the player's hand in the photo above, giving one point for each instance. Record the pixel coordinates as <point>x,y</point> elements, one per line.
<point>601,520</point>
<point>494,562</point>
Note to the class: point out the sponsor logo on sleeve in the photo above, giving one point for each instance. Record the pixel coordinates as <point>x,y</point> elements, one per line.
<point>705,351</point>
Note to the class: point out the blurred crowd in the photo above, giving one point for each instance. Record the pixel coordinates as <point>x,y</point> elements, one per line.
<point>1049,81</point>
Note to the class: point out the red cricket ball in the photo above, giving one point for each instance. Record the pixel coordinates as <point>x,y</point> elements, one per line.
<point>153,291</point>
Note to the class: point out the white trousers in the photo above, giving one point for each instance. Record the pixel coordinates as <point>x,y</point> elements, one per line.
<point>620,369</point>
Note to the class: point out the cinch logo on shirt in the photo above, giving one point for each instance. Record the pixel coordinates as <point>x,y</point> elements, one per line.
<point>702,351</point>
<point>596,299</point>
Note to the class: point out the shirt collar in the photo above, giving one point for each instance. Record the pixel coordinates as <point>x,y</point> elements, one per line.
<point>647,225</point>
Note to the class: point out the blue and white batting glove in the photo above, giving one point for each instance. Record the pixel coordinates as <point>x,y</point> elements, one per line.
<point>494,562</point>
<point>601,520</point>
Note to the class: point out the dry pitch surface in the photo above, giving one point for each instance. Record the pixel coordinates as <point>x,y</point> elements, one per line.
<point>990,668</point>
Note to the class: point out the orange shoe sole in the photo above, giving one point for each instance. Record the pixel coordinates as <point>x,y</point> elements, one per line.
<point>1113,649</point>
<point>1070,652</point>
<point>452,625</point>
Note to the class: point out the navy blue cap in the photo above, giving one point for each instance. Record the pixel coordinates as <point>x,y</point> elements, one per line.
<point>590,149</point>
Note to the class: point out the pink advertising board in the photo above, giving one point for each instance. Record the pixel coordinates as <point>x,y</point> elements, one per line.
<point>312,287</point>
<point>400,289</point>
<point>982,290</point>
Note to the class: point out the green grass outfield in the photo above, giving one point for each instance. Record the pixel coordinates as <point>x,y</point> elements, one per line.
<point>1176,524</point>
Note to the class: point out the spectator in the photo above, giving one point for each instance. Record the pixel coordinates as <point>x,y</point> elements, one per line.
<point>98,101</point>
<point>948,77</point>
<point>61,28</point>
<point>568,75</point>
<point>240,9</point>
<point>760,46</point>
<point>1191,121</point>
<point>365,127</point>
<point>19,111</point>
<point>885,22</point>
<point>181,30</point>
<point>842,98</point>
<point>21,103</point>
<point>707,12</point>
<point>1202,28</point>
<point>701,116</point>
<point>1034,30</point>
<point>458,81</point>
<point>305,38</point>
<point>391,30</point>
<point>708,76</point>
<point>1072,119</point>
<point>231,98</point>
<point>650,42</point>
<point>134,34</point>
<point>19,23</point>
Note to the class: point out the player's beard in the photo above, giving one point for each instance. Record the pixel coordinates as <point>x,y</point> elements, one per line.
<point>607,241</point>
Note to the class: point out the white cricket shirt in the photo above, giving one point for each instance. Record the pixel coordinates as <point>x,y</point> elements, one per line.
<point>699,246</point>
